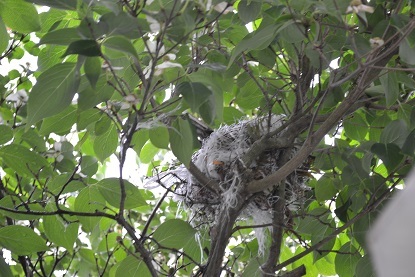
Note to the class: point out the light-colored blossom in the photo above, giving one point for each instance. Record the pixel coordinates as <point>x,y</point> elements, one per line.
<point>376,42</point>
<point>19,97</point>
<point>129,101</point>
<point>153,24</point>
<point>356,6</point>
<point>223,7</point>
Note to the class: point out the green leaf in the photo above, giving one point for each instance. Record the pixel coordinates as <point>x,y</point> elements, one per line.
<point>63,36</point>
<point>49,20</point>
<point>4,42</point>
<point>132,267</point>
<point>389,153</point>
<point>58,4</point>
<point>364,268</point>
<point>60,232</point>
<point>21,240</point>
<point>88,117</point>
<point>258,40</point>
<point>64,183</point>
<point>122,24</point>
<point>147,152</point>
<point>59,124</point>
<point>5,268</point>
<point>93,70</point>
<point>89,165</point>
<point>120,43</point>
<point>307,261</point>
<point>6,134</point>
<point>110,189</point>
<point>406,52</point>
<point>346,263</point>
<point>89,48</point>
<point>159,137</point>
<point>90,97</point>
<point>33,138</point>
<point>391,86</point>
<point>249,10</point>
<point>174,233</point>
<point>22,160</point>
<point>19,204</point>
<point>53,92</point>
<point>200,99</point>
<point>50,56</point>
<point>325,189</point>
<point>249,96</point>
<point>355,127</point>
<point>106,144</point>
<point>395,132</point>
<point>292,32</point>
<point>409,145</point>
<point>181,140</point>
<point>232,115</point>
<point>325,265</point>
<point>139,139</point>
<point>20,16</point>
<point>89,200</point>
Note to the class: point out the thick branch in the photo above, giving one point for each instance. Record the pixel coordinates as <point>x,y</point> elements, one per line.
<point>298,272</point>
<point>268,268</point>
<point>220,235</point>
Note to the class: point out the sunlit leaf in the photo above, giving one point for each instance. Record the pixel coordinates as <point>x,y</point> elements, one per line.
<point>147,152</point>
<point>139,139</point>
<point>20,16</point>
<point>181,140</point>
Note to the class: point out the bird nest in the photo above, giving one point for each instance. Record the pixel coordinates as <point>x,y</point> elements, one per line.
<point>219,159</point>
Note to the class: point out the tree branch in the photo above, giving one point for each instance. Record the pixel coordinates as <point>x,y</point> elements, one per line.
<point>367,77</point>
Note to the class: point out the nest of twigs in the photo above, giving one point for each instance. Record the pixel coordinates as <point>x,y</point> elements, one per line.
<point>219,159</point>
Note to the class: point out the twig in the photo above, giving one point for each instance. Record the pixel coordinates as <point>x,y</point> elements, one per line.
<point>203,179</point>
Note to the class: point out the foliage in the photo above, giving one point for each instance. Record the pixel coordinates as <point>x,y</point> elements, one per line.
<point>140,78</point>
